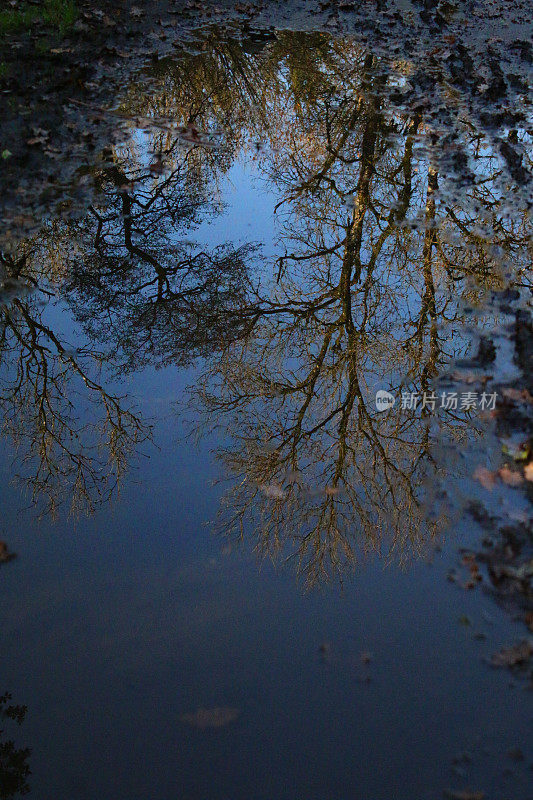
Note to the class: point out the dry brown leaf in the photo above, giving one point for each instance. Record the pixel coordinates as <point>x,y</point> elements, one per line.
<point>469,377</point>
<point>511,656</point>
<point>518,395</point>
<point>485,477</point>
<point>464,795</point>
<point>509,476</point>
<point>5,555</point>
<point>272,490</point>
<point>211,717</point>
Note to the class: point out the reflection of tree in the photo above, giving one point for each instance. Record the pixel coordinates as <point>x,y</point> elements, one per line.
<point>144,295</point>
<point>63,458</point>
<point>371,255</point>
<point>14,769</point>
<point>367,276</point>
<point>158,297</point>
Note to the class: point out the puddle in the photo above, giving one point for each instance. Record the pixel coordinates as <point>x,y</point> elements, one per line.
<point>277,306</point>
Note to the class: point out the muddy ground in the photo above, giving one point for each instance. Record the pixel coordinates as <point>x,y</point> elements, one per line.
<point>61,76</point>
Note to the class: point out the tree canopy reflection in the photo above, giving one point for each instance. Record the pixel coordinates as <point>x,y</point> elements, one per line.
<point>67,454</point>
<point>365,296</point>
<point>375,260</point>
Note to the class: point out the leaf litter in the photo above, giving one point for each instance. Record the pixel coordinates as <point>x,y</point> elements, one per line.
<point>218,717</point>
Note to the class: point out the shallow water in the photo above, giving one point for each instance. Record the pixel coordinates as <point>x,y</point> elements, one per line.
<point>193,361</point>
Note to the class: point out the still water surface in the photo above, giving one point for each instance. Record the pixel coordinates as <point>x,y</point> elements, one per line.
<point>219,517</point>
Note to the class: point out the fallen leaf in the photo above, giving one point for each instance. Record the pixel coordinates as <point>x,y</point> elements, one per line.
<point>464,795</point>
<point>272,490</point>
<point>211,717</point>
<point>5,555</point>
<point>469,560</point>
<point>511,656</point>
<point>521,573</point>
<point>485,477</point>
<point>469,377</point>
<point>516,754</point>
<point>509,476</point>
<point>518,452</point>
<point>518,395</point>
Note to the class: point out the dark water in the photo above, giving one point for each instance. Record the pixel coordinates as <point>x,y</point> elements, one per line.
<point>215,514</point>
